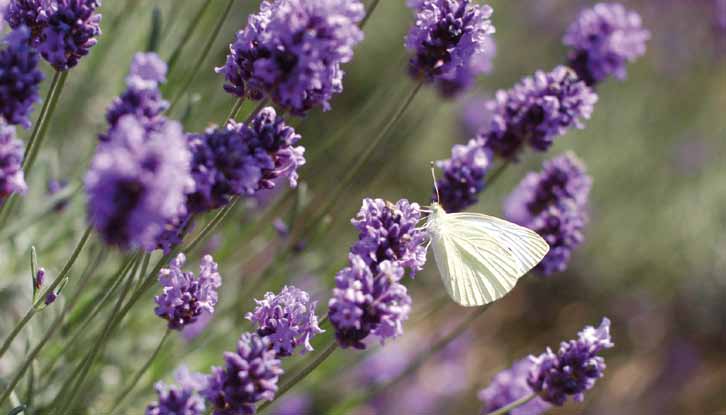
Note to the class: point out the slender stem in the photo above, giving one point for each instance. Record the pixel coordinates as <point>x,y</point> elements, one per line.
<point>352,172</point>
<point>417,363</point>
<point>216,220</point>
<point>205,52</point>
<point>41,299</point>
<point>188,34</point>
<point>87,363</point>
<point>235,110</point>
<point>57,322</point>
<point>140,373</point>
<point>302,374</point>
<point>255,111</point>
<point>497,173</point>
<point>370,11</point>
<point>514,405</point>
<point>41,128</point>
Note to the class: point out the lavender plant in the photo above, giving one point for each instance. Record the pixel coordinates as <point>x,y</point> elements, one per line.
<point>158,180</point>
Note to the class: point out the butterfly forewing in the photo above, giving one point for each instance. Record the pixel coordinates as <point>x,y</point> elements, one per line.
<point>480,257</point>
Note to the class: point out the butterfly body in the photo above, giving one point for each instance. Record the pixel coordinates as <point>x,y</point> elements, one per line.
<point>480,257</point>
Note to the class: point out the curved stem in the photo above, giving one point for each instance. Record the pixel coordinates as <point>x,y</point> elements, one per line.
<point>205,52</point>
<point>140,373</point>
<point>370,11</point>
<point>41,127</point>
<point>497,173</point>
<point>235,110</point>
<point>302,374</point>
<point>41,299</point>
<point>188,34</point>
<point>514,405</point>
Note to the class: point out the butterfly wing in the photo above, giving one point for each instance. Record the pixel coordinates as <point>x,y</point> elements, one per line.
<point>480,258</point>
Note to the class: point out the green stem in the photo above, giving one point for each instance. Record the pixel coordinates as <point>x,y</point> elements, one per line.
<point>514,405</point>
<point>497,173</point>
<point>82,370</point>
<point>344,406</point>
<point>216,220</point>
<point>188,34</point>
<point>352,172</point>
<point>140,373</point>
<point>205,52</point>
<point>235,110</point>
<point>41,299</point>
<point>41,127</point>
<point>255,111</point>
<point>370,11</point>
<point>57,322</point>
<point>302,374</point>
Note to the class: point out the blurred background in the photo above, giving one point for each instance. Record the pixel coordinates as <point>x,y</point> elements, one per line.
<point>653,261</point>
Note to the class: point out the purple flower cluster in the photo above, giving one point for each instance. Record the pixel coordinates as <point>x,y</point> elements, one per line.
<point>142,97</point>
<point>62,30</point>
<point>387,232</point>
<point>12,179</point>
<point>536,111</point>
<point>184,297</point>
<point>553,203</point>
<point>287,319</point>
<point>464,175</point>
<point>603,40</point>
<point>369,298</point>
<point>182,399</point>
<point>250,375</point>
<point>291,51</point>
<point>575,367</point>
<point>137,183</point>
<point>510,385</point>
<point>20,78</point>
<point>242,159</point>
<point>451,43</point>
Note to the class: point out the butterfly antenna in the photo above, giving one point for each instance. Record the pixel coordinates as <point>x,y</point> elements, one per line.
<point>436,186</point>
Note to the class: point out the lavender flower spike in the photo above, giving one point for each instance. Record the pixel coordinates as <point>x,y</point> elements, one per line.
<point>242,159</point>
<point>62,30</point>
<point>536,111</point>
<point>604,39</point>
<point>575,367</point>
<point>184,297</point>
<point>137,183</point>
<point>553,203</point>
<point>20,78</point>
<point>450,41</point>
<point>12,179</point>
<point>464,175</point>
<point>288,319</point>
<point>181,399</point>
<point>250,375</point>
<point>142,97</point>
<point>291,51</point>
<point>508,386</point>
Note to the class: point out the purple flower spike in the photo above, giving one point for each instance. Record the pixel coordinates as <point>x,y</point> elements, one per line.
<point>292,50</point>
<point>388,232</point>
<point>451,42</point>
<point>142,97</point>
<point>20,78</point>
<point>62,30</point>
<point>137,183</point>
<point>604,39</point>
<point>250,375</point>
<point>508,386</point>
<point>12,179</point>
<point>536,111</point>
<point>463,176</point>
<point>184,297</point>
<point>288,319</point>
<point>182,399</point>
<point>553,203</point>
<point>575,367</point>
<point>364,303</point>
<point>242,159</point>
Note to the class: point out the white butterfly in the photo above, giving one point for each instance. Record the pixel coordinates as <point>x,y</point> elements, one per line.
<point>481,257</point>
